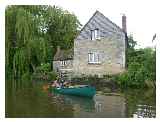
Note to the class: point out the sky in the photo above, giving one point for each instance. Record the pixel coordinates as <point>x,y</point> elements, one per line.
<point>143,19</point>
<point>142,15</point>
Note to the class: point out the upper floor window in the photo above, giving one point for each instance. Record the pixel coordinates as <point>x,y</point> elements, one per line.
<point>95,34</point>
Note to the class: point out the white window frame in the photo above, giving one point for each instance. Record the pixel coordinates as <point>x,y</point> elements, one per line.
<point>92,35</point>
<point>94,58</point>
<point>63,63</point>
<point>95,34</point>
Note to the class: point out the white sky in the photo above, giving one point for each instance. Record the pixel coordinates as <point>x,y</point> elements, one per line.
<point>142,15</point>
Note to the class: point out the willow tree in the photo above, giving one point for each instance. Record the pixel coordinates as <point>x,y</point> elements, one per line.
<point>32,34</point>
<point>64,25</point>
<point>26,46</point>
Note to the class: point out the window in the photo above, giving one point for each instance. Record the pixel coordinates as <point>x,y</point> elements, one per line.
<point>95,34</point>
<point>92,35</point>
<point>94,57</point>
<point>63,63</point>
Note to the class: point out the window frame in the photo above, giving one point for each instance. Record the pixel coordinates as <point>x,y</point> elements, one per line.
<point>92,35</point>
<point>95,58</point>
<point>95,34</point>
<point>63,63</point>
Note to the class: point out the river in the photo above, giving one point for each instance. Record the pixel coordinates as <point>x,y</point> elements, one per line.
<point>38,102</point>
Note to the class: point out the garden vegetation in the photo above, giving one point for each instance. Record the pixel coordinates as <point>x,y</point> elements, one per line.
<point>141,67</point>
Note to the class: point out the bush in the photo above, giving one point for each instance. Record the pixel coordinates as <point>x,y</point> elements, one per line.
<point>44,73</point>
<point>141,69</point>
<point>51,76</point>
<point>43,68</point>
<point>122,80</point>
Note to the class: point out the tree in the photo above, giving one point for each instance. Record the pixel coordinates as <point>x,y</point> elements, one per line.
<point>141,64</point>
<point>32,34</point>
<point>62,24</point>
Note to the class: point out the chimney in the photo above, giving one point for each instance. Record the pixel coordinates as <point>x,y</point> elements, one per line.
<point>58,49</point>
<point>124,27</point>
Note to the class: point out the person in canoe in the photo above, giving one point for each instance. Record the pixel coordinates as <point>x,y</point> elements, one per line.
<point>55,84</point>
<point>60,83</point>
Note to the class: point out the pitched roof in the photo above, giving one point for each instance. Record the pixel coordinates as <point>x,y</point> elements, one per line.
<point>111,22</point>
<point>63,55</point>
<point>97,12</point>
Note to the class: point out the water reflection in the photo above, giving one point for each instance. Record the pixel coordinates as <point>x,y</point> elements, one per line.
<point>99,106</point>
<point>143,111</point>
<point>36,102</point>
<point>86,104</point>
<point>140,103</point>
<point>109,106</point>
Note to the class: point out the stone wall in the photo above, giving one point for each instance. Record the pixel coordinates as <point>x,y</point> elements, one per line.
<point>112,56</point>
<point>57,65</point>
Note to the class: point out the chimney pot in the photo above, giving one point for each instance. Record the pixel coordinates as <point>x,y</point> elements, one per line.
<point>58,49</point>
<point>124,27</point>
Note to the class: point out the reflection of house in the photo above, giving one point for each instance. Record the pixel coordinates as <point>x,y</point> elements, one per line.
<point>110,106</point>
<point>99,49</point>
<point>105,106</point>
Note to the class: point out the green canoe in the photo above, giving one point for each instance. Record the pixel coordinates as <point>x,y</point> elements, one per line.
<point>80,90</point>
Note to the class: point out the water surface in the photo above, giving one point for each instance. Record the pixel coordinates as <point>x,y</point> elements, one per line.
<point>37,102</point>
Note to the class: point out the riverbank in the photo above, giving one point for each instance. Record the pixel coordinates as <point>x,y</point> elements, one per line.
<point>114,82</point>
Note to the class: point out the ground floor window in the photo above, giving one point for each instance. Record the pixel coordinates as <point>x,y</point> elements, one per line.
<point>63,63</point>
<point>94,58</point>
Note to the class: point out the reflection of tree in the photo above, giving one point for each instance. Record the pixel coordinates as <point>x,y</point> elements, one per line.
<point>137,98</point>
<point>33,102</point>
<point>61,109</point>
<point>145,111</point>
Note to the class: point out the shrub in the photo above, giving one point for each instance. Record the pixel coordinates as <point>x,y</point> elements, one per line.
<point>122,80</point>
<point>43,68</point>
<point>43,72</point>
<point>141,69</point>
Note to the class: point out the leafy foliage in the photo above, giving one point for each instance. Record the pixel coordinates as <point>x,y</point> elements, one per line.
<point>141,67</point>
<point>43,72</point>
<point>32,35</point>
<point>62,24</point>
<point>44,68</point>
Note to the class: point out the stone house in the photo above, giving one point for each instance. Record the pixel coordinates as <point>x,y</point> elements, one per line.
<point>99,49</point>
<point>63,60</point>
